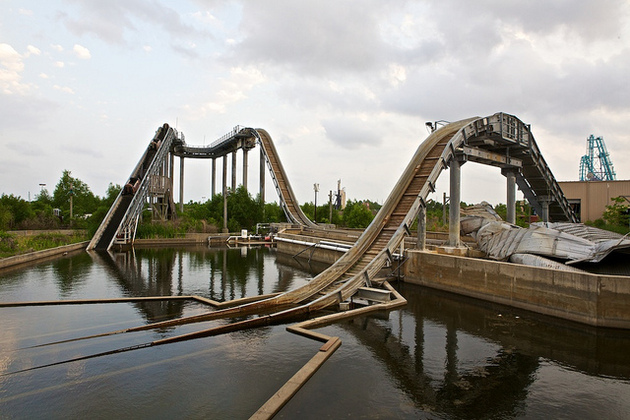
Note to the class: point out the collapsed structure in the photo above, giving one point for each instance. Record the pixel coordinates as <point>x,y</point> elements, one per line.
<point>557,245</point>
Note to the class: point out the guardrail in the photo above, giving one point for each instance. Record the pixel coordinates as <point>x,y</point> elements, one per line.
<point>226,137</point>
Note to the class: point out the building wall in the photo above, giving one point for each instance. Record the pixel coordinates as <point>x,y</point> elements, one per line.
<point>594,196</point>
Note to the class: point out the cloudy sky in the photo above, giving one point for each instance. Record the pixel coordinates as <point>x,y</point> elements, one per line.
<point>343,87</point>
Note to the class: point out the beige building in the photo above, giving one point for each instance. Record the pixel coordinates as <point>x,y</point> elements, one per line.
<point>590,198</point>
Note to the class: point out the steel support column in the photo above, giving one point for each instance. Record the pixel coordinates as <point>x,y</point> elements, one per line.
<point>234,171</point>
<point>455,194</point>
<point>171,179</point>
<point>262,175</point>
<point>422,228</point>
<point>214,178</point>
<point>545,211</point>
<point>245,168</point>
<point>511,196</point>
<point>171,169</point>
<point>225,228</point>
<point>181,183</point>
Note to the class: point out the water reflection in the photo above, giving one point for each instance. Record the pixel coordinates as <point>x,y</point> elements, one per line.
<point>441,356</point>
<point>490,357</point>
<point>148,276</point>
<point>70,273</point>
<point>220,274</point>
<point>594,351</point>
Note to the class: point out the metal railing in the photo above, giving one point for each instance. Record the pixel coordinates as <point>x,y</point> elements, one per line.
<point>129,222</point>
<point>226,137</point>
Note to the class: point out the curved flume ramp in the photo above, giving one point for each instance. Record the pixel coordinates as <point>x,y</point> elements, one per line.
<point>246,138</point>
<point>287,198</point>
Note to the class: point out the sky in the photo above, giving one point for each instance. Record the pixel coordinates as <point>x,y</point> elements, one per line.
<point>343,87</point>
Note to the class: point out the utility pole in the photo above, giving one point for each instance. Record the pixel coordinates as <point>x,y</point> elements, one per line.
<point>316,188</point>
<point>330,195</point>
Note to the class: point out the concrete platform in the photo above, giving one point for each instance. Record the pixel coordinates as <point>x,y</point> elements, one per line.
<point>597,300</point>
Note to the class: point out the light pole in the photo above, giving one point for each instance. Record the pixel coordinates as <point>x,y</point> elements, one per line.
<point>433,125</point>
<point>316,188</point>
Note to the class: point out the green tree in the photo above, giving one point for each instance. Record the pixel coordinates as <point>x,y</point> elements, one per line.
<point>103,207</point>
<point>6,217</point>
<point>616,215</point>
<point>273,213</point>
<point>43,199</point>
<point>110,195</point>
<point>83,200</point>
<point>243,211</point>
<point>501,210</point>
<point>44,216</point>
<point>357,215</point>
<point>15,211</point>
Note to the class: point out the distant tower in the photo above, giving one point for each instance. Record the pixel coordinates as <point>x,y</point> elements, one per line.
<point>596,164</point>
<point>340,197</point>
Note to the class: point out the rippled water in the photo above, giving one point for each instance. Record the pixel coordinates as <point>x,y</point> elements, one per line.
<point>442,356</point>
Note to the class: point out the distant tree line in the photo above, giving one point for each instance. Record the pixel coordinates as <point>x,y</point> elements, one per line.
<point>48,211</point>
<point>52,211</point>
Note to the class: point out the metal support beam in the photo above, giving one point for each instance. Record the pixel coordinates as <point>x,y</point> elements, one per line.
<point>511,196</point>
<point>225,228</point>
<point>171,183</point>
<point>245,151</point>
<point>422,228</point>
<point>444,203</point>
<point>262,175</point>
<point>214,178</point>
<point>545,211</point>
<point>171,172</point>
<point>181,184</point>
<point>234,170</point>
<point>455,194</point>
<point>490,158</point>
<point>545,201</point>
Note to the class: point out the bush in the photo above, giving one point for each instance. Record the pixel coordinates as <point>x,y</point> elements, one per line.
<point>13,245</point>
<point>8,244</point>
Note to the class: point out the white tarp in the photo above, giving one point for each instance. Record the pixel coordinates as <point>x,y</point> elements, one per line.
<point>573,242</point>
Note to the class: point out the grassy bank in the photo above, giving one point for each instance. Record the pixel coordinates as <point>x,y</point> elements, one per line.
<point>11,244</point>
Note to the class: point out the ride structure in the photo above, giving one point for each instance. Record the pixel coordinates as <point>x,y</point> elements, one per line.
<point>500,140</point>
<point>596,164</point>
<point>152,180</point>
<point>149,183</point>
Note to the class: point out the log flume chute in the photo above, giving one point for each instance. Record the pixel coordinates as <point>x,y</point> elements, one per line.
<point>499,133</point>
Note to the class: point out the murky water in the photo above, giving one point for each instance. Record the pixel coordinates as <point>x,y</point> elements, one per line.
<point>442,356</point>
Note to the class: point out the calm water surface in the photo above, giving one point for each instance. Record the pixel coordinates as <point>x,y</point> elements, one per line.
<point>441,356</point>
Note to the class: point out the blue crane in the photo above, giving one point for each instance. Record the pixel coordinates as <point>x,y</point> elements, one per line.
<point>596,164</point>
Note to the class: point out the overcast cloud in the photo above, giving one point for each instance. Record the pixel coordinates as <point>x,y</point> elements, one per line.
<point>343,87</point>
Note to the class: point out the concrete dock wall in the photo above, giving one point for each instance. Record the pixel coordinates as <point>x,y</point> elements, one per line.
<point>315,254</point>
<point>596,300</point>
<point>591,299</point>
<point>44,255</point>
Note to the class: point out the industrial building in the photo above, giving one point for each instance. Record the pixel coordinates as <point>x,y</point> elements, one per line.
<point>590,198</point>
